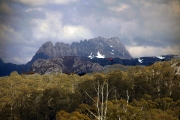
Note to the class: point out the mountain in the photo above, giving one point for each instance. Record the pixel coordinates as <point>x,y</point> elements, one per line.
<point>101,47</point>
<point>7,68</point>
<point>142,61</point>
<point>43,66</point>
<point>79,57</point>
<point>68,64</point>
<point>97,47</point>
<point>81,65</point>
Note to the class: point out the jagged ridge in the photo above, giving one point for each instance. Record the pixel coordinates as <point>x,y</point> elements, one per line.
<point>108,47</point>
<point>81,65</point>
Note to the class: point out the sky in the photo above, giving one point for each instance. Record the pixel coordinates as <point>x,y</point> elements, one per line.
<point>145,27</point>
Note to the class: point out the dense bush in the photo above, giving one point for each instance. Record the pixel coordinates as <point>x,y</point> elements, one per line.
<point>141,93</point>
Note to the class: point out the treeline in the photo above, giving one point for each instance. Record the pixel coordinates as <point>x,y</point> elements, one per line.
<point>141,93</point>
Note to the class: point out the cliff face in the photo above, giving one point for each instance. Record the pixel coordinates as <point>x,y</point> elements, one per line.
<point>97,47</point>
<point>43,66</point>
<point>64,50</point>
<point>101,47</point>
<point>60,49</point>
<point>70,64</point>
<point>48,49</point>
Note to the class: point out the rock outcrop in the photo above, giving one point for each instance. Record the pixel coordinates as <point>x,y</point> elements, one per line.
<point>69,64</point>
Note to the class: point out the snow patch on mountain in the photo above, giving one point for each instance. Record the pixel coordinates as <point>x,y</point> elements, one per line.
<point>111,46</point>
<point>112,53</point>
<point>160,57</point>
<point>99,55</point>
<point>140,60</point>
<point>91,56</point>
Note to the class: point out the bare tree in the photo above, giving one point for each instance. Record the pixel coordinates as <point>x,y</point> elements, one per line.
<point>101,101</point>
<point>176,67</point>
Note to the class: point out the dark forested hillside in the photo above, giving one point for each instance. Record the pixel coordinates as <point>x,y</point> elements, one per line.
<point>140,93</point>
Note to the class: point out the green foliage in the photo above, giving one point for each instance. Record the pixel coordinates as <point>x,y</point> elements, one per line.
<point>14,73</point>
<point>140,93</point>
<point>62,115</point>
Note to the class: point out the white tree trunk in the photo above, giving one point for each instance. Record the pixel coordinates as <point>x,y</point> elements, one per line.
<point>101,102</point>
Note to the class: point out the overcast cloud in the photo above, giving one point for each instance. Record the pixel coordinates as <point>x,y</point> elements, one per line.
<point>146,28</point>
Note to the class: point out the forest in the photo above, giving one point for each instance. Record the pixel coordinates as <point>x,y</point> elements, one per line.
<point>140,93</point>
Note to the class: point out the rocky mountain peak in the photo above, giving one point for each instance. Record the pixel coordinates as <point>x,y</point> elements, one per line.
<point>47,45</point>
<point>59,44</point>
<point>63,49</point>
<point>48,49</point>
<point>99,47</point>
<point>107,47</point>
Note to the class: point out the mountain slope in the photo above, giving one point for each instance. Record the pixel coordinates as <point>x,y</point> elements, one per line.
<point>7,68</point>
<point>77,64</point>
<point>68,64</point>
<point>80,65</point>
<point>97,47</point>
<point>101,47</point>
<point>101,51</point>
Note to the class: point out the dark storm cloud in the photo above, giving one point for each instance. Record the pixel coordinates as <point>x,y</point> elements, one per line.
<point>145,27</point>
